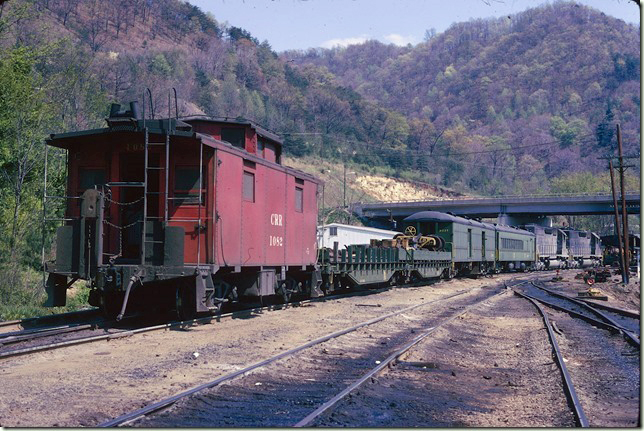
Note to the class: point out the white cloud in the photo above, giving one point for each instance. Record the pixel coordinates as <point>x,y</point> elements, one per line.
<point>400,40</point>
<point>345,42</point>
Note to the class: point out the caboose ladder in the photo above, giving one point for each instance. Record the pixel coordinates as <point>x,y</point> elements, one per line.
<point>146,189</point>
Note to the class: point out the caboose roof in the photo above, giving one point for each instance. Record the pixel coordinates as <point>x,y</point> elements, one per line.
<point>177,128</point>
<point>264,133</point>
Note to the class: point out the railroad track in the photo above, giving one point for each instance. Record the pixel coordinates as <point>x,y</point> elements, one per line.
<point>580,417</point>
<point>609,318</point>
<point>49,320</point>
<point>28,341</point>
<point>277,391</point>
<point>606,373</point>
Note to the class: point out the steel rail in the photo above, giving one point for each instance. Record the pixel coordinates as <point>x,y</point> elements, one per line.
<point>620,311</point>
<point>629,337</point>
<point>30,334</point>
<point>205,320</point>
<point>385,363</point>
<point>624,331</point>
<point>47,317</point>
<point>128,417</point>
<point>571,394</point>
<point>199,320</point>
<point>11,322</point>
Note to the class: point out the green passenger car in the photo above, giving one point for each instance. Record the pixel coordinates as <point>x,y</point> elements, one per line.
<point>476,247</point>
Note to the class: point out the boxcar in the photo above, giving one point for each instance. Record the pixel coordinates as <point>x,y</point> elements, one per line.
<point>182,214</point>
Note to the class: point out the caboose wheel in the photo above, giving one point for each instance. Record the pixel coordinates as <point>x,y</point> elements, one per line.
<point>284,292</point>
<point>287,289</point>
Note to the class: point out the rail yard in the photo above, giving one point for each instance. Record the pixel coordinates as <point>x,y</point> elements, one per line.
<point>215,304</point>
<point>463,352</point>
<point>201,230</point>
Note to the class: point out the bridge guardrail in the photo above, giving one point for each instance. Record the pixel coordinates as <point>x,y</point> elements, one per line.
<point>491,198</point>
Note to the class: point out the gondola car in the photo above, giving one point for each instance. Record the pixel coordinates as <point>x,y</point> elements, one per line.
<point>182,215</point>
<point>552,248</point>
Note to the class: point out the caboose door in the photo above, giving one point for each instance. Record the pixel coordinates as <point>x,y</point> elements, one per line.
<point>190,200</point>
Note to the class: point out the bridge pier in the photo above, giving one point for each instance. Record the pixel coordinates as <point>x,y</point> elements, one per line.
<point>518,220</point>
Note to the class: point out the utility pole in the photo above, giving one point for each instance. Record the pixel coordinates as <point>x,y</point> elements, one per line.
<point>617,230</point>
<point>344,190</point>
<point>624,212</point>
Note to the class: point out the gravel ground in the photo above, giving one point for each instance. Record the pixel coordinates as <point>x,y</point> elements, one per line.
<point>88,384</point>
<point>286,391</point>
<point>605,370</point>
<point>490,368</point>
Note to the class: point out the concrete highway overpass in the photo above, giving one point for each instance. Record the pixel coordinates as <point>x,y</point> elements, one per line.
<point>509,209</point>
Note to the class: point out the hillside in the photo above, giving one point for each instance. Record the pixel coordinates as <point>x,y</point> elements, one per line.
<point>525,104</point>
<point>489,106</point>
<point>545,83</point>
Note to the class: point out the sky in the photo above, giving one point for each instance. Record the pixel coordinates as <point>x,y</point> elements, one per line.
<point>303,24</point>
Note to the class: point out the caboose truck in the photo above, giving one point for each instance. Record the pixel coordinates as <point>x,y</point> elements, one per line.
<point>185,215</point>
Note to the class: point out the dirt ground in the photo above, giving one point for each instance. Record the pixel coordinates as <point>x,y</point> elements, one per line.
<point>626,297</point>
<point>490,368</point>
<point>89,384</point>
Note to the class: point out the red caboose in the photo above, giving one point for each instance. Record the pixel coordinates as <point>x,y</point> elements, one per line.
<point>182,214</point>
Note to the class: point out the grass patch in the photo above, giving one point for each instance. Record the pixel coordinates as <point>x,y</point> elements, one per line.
<point>22,294</point>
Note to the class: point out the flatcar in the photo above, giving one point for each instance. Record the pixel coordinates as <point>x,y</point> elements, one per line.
<point>396,261</point>
<point>182,214</point>
<point>476,247</point>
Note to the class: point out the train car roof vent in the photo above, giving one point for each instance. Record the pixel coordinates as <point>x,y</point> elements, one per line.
<point>123,118</point>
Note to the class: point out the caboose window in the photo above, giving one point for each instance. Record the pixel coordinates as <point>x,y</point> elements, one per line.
<point>90,177</point>
<point>186,185</point>
<point>299,199</point>
<point>260,148</point>
<point>235,136</point>
<point>249,187</point>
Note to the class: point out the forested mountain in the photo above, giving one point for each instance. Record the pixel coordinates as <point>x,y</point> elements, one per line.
<point>522,104</point>
<point>489,106</point>
<point>549,83</point>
